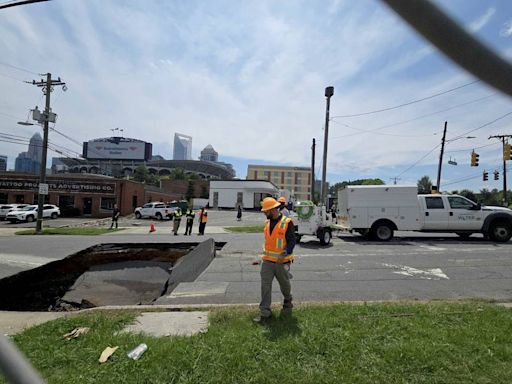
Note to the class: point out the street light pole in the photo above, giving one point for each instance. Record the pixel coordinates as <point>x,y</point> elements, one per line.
<point>313,170</point>
<point>329,91</point>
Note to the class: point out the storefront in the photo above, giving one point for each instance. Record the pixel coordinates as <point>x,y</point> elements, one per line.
<point>79,195</point>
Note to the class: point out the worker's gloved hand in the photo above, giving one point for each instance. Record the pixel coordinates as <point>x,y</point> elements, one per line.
<point>280,259</point>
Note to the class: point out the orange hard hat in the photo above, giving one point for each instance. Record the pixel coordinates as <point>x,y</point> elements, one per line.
<point>269,203</point>
<point>282,200</point>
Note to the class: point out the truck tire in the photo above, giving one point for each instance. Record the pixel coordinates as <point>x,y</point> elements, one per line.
<point>158,216</point>
<point>325,236</point>
<point>382,231</point>
<point>500,231</point>
<point>464,235</point>
<point>138,215</point>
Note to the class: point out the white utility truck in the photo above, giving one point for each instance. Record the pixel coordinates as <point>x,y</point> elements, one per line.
<point>379,210</point>
<point>312,220</point>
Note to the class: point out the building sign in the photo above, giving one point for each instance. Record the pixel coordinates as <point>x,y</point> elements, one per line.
<point>63,186</point>
<point>116,149</point>
<point>43,189</point>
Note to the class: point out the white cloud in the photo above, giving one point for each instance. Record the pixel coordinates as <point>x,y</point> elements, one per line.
<point>506,30</point>
<point>482,21</point>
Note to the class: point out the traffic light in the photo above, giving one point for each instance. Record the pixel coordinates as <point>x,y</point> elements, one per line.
<point>474,159</point>
<point>496,175</point>
<point>507,155</point>
<point>486,175</point>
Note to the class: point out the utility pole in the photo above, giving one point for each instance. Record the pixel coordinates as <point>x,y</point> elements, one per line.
<point>503,137</point>
<point>395,179</point>
<point>313,170</point>
<point>329,91</point>
<point>441,159</point>
<point>47,88</point>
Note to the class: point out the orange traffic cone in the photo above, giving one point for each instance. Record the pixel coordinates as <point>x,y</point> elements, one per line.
<point>152,228</point>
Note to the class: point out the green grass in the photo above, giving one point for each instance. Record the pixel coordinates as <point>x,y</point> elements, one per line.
<point>245,229</point>
<point>87,231</point>
<point>376,343</point>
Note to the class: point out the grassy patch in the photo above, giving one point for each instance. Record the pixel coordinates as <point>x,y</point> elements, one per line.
<point>86,231</point>
<point>376,343</point>
<point>245,229</point>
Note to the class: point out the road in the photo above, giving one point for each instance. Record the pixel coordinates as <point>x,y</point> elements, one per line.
<point>351,268</point>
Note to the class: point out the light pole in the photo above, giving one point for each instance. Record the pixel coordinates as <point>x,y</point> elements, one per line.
<point>329,91</point>
<point>443,141</point>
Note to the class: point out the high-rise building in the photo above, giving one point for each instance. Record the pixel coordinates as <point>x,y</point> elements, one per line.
<point>30,161</point>
<point>182,147</point>
<point>3,163</point>
<point>295,179</point>
<point>209,154</point>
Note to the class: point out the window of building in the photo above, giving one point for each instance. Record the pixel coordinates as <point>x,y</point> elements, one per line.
<point>434,202</point>
<point>3,198</point>
<point>134,201</point>
<point>20,199</point>
<point>107,203</point>
<point>66,201</point>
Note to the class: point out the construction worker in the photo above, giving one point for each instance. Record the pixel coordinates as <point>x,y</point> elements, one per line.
<point>277,255</point>
<point>203,219</point>
<point>190,220</point>
<point>176,220</point>
<point>282,208</point>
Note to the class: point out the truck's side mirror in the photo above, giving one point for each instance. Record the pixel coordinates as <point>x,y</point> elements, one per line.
<point>476,207</point>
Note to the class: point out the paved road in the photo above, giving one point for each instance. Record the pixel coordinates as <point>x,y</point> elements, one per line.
<point>410,267</point>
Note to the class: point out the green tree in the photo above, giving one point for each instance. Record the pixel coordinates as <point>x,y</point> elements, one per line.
<point>487,197</point>
<point>190,191</point>
<point>424,185</point>
<point>333,189</point>
<point>178,174</point>
<point>141,173</point>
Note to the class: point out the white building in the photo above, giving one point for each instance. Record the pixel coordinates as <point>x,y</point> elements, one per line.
<point>182,149</point>
<point>247,193</point>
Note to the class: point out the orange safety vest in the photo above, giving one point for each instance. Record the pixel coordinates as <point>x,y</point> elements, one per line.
<point>204,217</point>
<point>275,243</point>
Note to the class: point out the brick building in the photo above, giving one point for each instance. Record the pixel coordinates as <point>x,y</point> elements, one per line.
<point>90,195</point>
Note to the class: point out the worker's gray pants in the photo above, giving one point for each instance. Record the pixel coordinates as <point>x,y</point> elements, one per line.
<point>268,271</point>
<point>176,225</point>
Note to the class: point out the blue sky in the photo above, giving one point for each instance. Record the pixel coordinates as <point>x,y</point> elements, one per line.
<point>249,77</point>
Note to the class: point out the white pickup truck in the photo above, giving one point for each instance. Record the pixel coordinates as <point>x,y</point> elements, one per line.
<point>380,210</point>
<point>155,209</point>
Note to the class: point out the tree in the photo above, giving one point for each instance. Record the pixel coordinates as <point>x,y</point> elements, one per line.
<point>424,185</point>
<point>487,197</point>
<point>178,174</point>
<point>141,173</point>
<point>333,189</point>
<point>190,191</point>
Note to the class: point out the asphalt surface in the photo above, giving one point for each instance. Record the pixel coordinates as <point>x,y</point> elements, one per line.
<point>351,268</point>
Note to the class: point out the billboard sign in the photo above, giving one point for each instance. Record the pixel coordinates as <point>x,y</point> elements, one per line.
<point>115,149</point>
<point>62,186</point>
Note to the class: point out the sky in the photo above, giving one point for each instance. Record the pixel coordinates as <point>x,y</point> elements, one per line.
<point>249,78</point>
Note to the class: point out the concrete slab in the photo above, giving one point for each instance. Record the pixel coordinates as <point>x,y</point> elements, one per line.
<point>200,288</point>
<point>160,324</point>
<point>15,322</point>
<point>123,283</point>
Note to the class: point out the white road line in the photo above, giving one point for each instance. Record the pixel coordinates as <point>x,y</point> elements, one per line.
<point>429,274</point>
<point>429,247</point>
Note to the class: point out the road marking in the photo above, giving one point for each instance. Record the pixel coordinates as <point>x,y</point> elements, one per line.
<point>429,274</point>
<point>16,260</point>
<point>429,247</point>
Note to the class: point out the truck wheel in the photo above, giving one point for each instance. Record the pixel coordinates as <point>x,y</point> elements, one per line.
<point>500,231</point>
<point>325,236</point>
<point>138,215</point>
<point>158,216</point>
<point>382,232</point>
<point>464,235</point>
<point>30,218</point>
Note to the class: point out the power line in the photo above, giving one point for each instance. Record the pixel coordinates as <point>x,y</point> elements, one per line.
<point>18,68</point>
<point>469,149</point>
<point>11,77</point>
<point>418,117</point>
<point>9,4</point>
<point>482,126</point>
<point>408,103</point>
<point>376,133</point>
<point>421,158</point>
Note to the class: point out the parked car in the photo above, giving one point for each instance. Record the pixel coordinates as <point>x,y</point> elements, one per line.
<point>29,213</point>
<point>155,209</point>
<point>6,208</point>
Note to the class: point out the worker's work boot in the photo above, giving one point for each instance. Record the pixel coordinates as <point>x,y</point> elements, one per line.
<point>287,307</point>
<point>261,320</point>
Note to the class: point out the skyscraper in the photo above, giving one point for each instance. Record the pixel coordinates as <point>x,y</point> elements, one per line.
<point>3,163</point>
<point>209,154</point>
<point>182,147</point>
<point>30,161</point>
